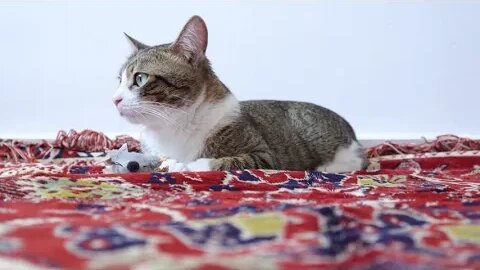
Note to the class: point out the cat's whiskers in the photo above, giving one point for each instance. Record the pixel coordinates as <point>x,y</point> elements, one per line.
<point>136,114</point>
<point>141,114</point>
<point>157,113</point>
<point>162,105</point>
<point>166,111</point>
<point>137,110</point>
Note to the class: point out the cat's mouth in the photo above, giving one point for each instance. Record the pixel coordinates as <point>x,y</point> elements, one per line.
<point>130,115</point>
<point>125,113</point>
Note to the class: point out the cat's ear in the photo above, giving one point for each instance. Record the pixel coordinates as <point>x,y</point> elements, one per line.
<point>192,41</point>
<point>135,45</point>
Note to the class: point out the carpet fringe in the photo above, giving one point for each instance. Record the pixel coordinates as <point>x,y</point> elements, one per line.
<point>93,141</point>
<point>84,141</point>
<point>443,143</point>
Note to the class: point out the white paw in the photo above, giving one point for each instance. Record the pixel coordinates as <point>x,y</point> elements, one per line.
<point>177,167</point>
<point>167,163</point>
<point>199,165</point>
<point>171,165</point>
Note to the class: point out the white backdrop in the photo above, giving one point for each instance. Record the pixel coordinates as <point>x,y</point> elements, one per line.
<point>394,70</point>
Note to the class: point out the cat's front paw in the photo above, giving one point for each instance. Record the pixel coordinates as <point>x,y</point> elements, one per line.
<point>199,165</point>
<point>171,165</point>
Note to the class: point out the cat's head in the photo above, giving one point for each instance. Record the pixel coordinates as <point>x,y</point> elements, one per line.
<point>158,84</point>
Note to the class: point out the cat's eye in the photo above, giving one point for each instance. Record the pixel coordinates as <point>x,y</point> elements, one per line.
<point>141,79</point>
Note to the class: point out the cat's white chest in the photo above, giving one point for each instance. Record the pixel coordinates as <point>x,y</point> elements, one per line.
<point>186,141</point>
<point>171,144</point>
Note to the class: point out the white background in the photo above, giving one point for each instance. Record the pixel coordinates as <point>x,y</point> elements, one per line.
<point>401,69</point>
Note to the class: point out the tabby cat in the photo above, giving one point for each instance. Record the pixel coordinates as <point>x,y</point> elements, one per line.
<point>191,117</point>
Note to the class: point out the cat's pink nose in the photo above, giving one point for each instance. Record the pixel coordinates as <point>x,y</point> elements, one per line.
<point>117,100</point>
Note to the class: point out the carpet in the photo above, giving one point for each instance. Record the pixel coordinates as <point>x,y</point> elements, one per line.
<point>415,207</point>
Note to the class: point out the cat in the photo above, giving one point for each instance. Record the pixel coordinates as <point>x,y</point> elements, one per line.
<point>190,116</point>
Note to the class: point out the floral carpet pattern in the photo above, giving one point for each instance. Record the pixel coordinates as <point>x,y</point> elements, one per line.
<point>409,211</point>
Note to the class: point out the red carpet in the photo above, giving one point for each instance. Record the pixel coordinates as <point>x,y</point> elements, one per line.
<point>410,211</point>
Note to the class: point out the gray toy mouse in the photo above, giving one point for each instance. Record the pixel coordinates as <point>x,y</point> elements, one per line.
<point>122,161</point>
